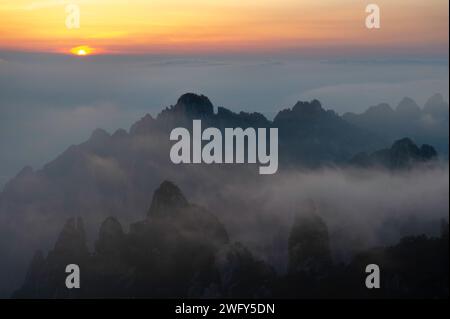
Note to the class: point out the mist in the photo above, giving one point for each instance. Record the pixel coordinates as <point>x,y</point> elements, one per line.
<point>363,208</point>
<point>48,102</point>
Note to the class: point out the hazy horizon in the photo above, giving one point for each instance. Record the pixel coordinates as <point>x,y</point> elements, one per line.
<point>50,102</point>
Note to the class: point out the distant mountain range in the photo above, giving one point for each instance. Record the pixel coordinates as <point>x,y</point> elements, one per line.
<point>116,172</point>
<point>112,174</point>
<point>429,124</point>
<point>309,135</point>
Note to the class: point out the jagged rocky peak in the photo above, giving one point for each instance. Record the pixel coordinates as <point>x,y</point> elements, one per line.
<point>406,148</point>
<point>403,154</point>
<point>170,212</point>
<point>194,104</point>
<point>254,117</point>
<point>111,236</point>
<point>110,228</point>
<point>189,105</point>
<point>99,138</point>
<point>302,109</point>
<point>99,135</point>
<point>405,144</point>
<point>223,112</point>
<point>120,133</point>
<point>143,126</point>
<point>72,238</point>
<point>408,106</point>
<point>308,107</point>
<point>167,198</point>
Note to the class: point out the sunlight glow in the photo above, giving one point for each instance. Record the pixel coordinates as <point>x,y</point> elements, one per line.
<point>174,26</point>
<point>82,50</point>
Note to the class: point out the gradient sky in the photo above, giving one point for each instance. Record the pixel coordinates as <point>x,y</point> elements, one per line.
<point>181,26</point>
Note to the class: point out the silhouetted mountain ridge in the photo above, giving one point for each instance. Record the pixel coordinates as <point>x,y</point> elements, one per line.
<point>403,154</point>
<point>179,250</point>
<point>429,124</point>
<point>112,174</point>
<point>165,256</point>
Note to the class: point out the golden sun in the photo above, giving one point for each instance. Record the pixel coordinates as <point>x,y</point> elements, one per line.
<point>82,50</point>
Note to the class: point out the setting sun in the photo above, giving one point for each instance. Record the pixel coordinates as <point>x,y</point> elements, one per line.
<point>82,50</point>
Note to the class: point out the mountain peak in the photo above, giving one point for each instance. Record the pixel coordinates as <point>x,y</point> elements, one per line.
<point>110,226</point>
<point>194,99</point>
<point>110,236</point>
<point>120,133</point>
<point>99,135</point>
<point>407,146</point>
<point>302,109</point>
<point>308,107</point>
<point>436,105</point>
<point>408,106</point>
<point>381,109</point>
<point>403,154</point>
<point>189,106</point>
<point>194,105</point>
<point>72,237</point>
<point>404,142</point>
<point>143,126</point>
<point>167,197</point>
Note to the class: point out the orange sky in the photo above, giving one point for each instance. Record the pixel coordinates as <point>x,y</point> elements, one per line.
<point>155,26</point>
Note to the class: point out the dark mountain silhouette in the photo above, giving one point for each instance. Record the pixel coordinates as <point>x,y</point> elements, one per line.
<point>46,276</point>
<point>313,136</point>
<point>309,245</point>
<point>407,270</point>
<point>111,238</point>
<point>309,136</point>
<point>112,174</point>
<point>181,250</point>
<point>402,154</point>
<point>429,124</point>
